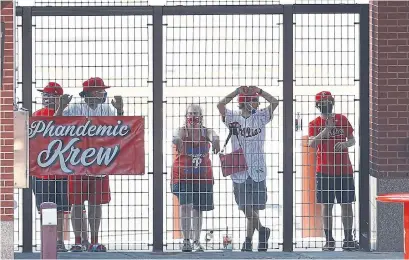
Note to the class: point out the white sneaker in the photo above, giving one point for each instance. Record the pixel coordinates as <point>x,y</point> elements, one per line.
<point>197,247</point>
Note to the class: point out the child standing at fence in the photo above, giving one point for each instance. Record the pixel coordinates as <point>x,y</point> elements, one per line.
<point>192,175</point>
<point>332,134</point>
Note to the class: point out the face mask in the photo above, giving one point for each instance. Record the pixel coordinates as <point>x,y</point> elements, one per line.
<point>193,121</point>
<point>250,108</point>
<point>49,100</point>
<point>98,100</point>
<point>326,109</point>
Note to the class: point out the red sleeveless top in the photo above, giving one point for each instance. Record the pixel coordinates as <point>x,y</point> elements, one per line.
<point>193,163</point>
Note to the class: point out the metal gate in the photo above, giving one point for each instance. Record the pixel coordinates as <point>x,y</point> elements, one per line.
<point>171,56</point>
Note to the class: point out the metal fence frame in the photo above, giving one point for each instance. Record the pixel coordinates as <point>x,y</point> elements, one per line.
<point>157,13</point>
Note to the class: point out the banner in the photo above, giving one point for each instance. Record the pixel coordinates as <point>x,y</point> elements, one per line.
<point>92,146</point>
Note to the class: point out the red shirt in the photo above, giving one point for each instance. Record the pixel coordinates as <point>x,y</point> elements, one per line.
<point>193,164</point>
<point>44,112</point>
<point>328,161</point>
<point>47,112</point>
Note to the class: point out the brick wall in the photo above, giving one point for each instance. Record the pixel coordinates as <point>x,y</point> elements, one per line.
<point>6,118</point>
<point>389,88</point>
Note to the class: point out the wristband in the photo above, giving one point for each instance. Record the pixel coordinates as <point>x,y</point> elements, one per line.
<point>260,92</point>
<point>120,113</point>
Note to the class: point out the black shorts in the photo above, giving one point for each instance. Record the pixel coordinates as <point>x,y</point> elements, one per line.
<point>329,188</point>
<point>198,194</point>
<point>51,191</point>
<point>250,193</point>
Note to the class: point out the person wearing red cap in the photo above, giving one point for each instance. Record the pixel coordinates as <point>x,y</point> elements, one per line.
<point>250,191</point>
<point>94,189</point>
<point>48,188</point>
<point>332,134</point>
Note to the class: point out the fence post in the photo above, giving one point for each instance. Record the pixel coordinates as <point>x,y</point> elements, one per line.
<point>288,130</point>
<point>364,192</point>
<point>27,80</point>
<point>48,230</point>
<point>157,118</point>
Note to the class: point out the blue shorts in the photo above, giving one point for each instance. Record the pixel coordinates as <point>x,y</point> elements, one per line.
<point>335,188</point>
<point>51,191</point>
<point>198,194</point>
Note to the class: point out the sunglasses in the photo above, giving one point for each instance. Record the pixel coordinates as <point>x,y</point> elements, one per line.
<point>248,100</point>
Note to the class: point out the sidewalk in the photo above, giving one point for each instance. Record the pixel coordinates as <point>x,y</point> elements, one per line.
<point>221,255</point>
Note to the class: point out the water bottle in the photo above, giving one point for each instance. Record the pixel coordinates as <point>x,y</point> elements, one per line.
<point>227,241</point>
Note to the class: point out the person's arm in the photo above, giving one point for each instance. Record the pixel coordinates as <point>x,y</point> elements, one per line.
<point>64,101</point>
<point>273,102</point>
<point>214,139</point>
<point>59,111</point>
<point>177,135</point>
<point>350,141</point>
<point>177,138</point>
<point>118,104</point>
<point>314,138</point>
<point>221,106</point>
<point>349,131</point>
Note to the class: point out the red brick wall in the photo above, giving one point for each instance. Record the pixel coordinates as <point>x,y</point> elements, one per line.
<point>6,118</point>
<point>389,88</point>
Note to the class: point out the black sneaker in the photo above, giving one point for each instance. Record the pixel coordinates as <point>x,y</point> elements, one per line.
<point>329,246</point>
<point>264,235</point>
<point>247,246</point>
<point>61,247</point>
<point>350,245</point>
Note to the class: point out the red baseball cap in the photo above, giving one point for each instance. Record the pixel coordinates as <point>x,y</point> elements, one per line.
<point>52,88</point>
<point>243,97</point>
<point>323,95</point>
<point>93,83</point>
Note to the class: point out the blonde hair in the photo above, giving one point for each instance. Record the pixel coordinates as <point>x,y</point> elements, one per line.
<point>195,107</point>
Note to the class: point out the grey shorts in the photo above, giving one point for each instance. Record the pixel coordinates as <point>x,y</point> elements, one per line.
<point>250,193</point>
<point>198,194</point>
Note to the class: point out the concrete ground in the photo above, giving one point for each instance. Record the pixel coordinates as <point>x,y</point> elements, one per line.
<point>221,255</point>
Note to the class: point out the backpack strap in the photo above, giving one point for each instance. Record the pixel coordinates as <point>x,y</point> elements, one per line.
<point>232,127</point>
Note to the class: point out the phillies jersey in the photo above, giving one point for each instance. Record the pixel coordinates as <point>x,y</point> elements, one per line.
<point>193,163</point>
<point>251,138</point>
<point>47,112</point>
<point>328,160</point>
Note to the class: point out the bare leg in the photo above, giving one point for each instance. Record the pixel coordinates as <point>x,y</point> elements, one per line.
<point>253,221</point>
<point>186,220</point>
<point>326,212</point>
<point>60,224</point>
<point>84,230</point>
<point>94,218</point>
<point>197,216</point>
<point>347,220</point>
<point>77,222</point>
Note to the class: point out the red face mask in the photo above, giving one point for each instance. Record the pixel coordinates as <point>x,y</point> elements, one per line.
<point>193,120</point>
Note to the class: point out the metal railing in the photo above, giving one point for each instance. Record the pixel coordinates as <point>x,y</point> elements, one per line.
<point>163,58</point>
